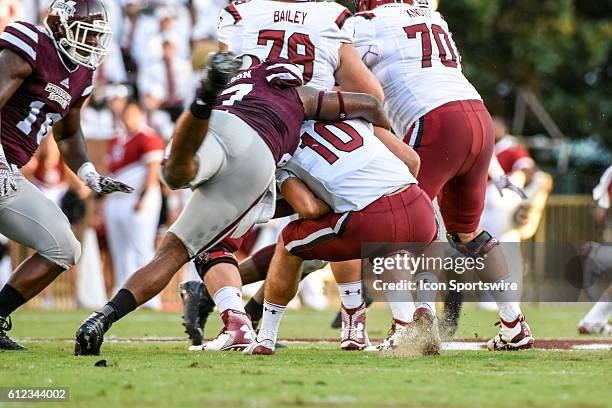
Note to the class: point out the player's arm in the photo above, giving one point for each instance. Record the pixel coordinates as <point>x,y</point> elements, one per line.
<point>299,196</point>
<point>13,71</point>
<point>404,152</point>
<point>353,75</point>
<point>182,166</point>
<point>335,106</point>
<point>71,143</point>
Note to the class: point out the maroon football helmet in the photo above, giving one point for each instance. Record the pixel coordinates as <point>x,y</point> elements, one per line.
<point>80,29</point>
<point>364,5</point>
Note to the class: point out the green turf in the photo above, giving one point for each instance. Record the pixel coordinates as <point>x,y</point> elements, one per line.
<point>165,374</point>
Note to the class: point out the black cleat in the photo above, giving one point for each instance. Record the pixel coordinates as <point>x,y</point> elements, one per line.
<point>197,306</point>
<point>90,335</point>
<point>5,342</point>
<point>452,312</point>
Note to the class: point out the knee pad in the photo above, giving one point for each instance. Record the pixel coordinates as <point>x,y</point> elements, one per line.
<point>478,247</point>
<point>216,255</point>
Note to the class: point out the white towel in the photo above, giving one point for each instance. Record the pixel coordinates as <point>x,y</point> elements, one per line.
<point>600,192</point>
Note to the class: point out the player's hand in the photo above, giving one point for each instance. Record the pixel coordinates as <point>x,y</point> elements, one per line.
<point>521,215</point>
<point>7,182</point>
<point>106,185</point>
<point>220,68</point>
<point>503,182</point>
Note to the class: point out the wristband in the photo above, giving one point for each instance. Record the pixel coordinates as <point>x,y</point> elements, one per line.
<point>85,169</point>
<point>319,103</point>
<point>342,112</point>
<point>200,109</point>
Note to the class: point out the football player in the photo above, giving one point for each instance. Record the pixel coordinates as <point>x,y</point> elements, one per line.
<point>316,36</point>
<point>435,109</point>
<point>350,187</point>
<point>229,161</point>
<point>45,76</point>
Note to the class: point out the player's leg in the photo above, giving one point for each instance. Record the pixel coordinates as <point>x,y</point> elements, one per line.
<point>214,210</point>
<point>462,205</point>
<point>143,230</point>
<point>281,286</point>
<point>116,210</point>
<point>353,311</point>
<point>31,219</point>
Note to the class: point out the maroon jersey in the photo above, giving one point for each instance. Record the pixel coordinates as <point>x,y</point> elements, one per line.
<point>44,98</point>
<point>265,97</point>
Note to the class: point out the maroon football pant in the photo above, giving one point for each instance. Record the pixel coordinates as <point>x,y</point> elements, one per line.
<point>455,143</point>
<point>405,217</point>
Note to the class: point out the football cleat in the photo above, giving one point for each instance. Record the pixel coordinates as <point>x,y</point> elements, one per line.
<point>197,306</point>
<point>452,312</point>
<point>400,333</point>
<point>337,322</point>
<point>354,335</point>
<point>237,333</point>
<point>427,331</point>
<point>90,335</point>
<point>5,342</point>
<point>514,335</point>
<point>595,328</point>
<point>265,347</point>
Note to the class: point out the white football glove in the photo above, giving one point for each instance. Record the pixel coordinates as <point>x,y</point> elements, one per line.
<point>503,182</point>
<point>101,184</point>
<point>7,182</point>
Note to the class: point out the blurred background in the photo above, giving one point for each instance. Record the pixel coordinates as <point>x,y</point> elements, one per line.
<point>543,67</point>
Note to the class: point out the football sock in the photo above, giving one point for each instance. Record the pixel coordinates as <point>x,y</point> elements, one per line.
<point>600,312</point>
<point>228,297</point>
<point>426,296</point>
<point>509,307</point>
<point>10,300</point>
<point>254,309</point>
<point>350,293</point>
<point>270,321</point>
<point>122,304</point>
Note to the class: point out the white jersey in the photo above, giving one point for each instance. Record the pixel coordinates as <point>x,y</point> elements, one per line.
<point>413,55</point>
<point>307,33</point>
<point>346,166</point>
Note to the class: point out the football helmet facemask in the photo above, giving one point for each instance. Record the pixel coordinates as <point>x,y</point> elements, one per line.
<point>80,29</point>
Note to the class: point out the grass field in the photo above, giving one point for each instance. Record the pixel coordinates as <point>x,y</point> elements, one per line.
<point>161,372</point>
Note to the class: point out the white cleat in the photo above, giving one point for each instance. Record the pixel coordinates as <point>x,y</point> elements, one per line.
<point>514,335</point>
<point>265,347</point>
<point>401,333</point>
<point>604,329</point>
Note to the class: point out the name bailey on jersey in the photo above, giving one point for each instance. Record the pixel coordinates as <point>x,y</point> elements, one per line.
<point>58,95</point>
<point>295,17</point>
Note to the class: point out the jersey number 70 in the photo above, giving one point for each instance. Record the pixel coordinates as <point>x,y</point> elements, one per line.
<point>438,34</point>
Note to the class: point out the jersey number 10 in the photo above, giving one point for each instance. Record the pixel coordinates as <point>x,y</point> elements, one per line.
<point>438,34</point>
<point>355,140</point>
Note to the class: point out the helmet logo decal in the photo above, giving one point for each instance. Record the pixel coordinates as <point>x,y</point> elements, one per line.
<point>64,8</point>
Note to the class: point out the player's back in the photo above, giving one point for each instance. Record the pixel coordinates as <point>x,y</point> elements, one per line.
<point>412,53</point>
<point>307,33</point>
<point>346,165</point>
<point>265,97</point>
